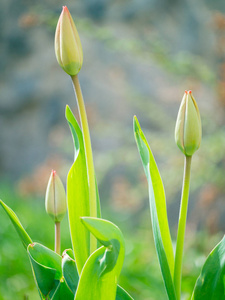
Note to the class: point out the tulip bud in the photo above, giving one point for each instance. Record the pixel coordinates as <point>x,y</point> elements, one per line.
<point>68,47</point>
<point>55,198</point>
<point>188,130</point>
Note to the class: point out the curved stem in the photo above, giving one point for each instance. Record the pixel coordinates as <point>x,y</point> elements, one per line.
<point>89,156</point>
<point>182,226</point>
<point>57,238</point>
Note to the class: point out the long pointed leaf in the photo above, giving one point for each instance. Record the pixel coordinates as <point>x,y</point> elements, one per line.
<point>158,210</point>
<point>102,269</point>
<point>78,195</point>
<point>210,285</point>
<point>26,240</point>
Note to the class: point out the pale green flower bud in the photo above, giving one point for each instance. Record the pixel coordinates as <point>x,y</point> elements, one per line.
<point>68,47</point>
<point>55,198</point>
<point>188,130</point>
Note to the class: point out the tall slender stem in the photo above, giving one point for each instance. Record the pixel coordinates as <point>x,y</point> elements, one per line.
<point>182,226</point>
<point>57,238</point>
<point>89,156</point>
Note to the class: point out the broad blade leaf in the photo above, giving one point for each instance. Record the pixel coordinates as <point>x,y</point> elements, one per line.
<point>70,270</point>
<point>26,240</point>
<point>46,266</point>
<point>210,285</point>
<point>78,195</point>
<point>71,276</point>
<point>46,257</point>
<point>102,269</point>
<point>158,210</point>
<point>47,271</point>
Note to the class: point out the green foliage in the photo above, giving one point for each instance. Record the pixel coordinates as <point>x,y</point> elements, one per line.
<point>210,284</point>
<point>15,270</point>
<point>160,225</point>
<point>121,294</point>
<point>47,270</point>
<point>78,195</point>
<point>70,270</point>
<point>103,267</point>
<point>56,277</point>
<point>89,273</point>
<point>26,240</point>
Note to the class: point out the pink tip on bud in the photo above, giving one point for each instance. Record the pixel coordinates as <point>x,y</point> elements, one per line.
<point>65,9</point>
<point>55,198</point>
<point>188,130</point>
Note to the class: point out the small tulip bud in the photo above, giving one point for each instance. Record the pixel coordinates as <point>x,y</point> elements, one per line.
<point>55,198</point>
<point>188,130</point>
<point>68,47</point>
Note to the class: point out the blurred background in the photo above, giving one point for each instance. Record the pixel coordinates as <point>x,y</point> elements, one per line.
<point>139,58</point>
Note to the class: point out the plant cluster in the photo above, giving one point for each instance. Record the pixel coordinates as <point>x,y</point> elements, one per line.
<point>91,269</point>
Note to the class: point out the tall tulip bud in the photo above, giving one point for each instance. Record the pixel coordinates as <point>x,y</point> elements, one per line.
<point>188,130</point>
<point>68,47</point>
<point>55,198</point>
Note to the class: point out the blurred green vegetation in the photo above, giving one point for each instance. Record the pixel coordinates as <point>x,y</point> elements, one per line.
<point>140,275</point>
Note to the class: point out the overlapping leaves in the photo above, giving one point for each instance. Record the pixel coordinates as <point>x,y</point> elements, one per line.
<point>102,269</point>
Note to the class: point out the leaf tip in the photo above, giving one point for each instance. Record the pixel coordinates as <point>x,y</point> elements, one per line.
<point>137,128</point>
<point>135,120</point>
<point>67,111</point>
<point>87,220</point>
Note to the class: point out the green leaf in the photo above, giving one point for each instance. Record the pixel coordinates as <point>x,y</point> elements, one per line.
<point>62,292</point>
<point>47,271</point>
<point>103,267</point>
<point>78,195</point>
<point>158,210</point>
<point>121,294</point>
<point>70,270</point>
<point>46,266</point>
<point>26,240</point>
<point>72,278</point>
<point>210,285</point>
<point>99,214</point>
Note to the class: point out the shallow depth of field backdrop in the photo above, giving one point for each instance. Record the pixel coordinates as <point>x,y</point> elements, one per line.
<point>139,57</point>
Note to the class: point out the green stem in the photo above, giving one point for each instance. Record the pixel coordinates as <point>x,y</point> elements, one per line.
<point>89,156</point>
<point>57,238</point>
<point>182,226</point>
